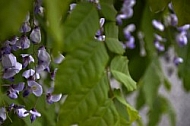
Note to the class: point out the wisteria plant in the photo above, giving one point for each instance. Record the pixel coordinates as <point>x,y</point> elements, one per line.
<point>60,59</point>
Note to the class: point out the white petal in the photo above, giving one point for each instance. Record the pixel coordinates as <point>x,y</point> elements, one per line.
<point>36,113</point>
<point>22,112</point>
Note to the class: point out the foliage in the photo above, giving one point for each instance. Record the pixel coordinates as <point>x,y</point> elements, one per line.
<point>95,54</point>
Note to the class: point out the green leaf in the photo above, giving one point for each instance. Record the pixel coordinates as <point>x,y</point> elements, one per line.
<point>181,8</point>
<point>108,9</point>
<point>184,68</point>
<point>112,42</point>
<point>147,29</point>
<point>83,103</point>
<point>13,13</point>
<point>105,115</point>
<point>151,81</point>
<point>80,26</point>
<point>127,113</point>
<point>158,5</point>
<point>82,67</point>
<point>119,69</point>
<point>54,14</point>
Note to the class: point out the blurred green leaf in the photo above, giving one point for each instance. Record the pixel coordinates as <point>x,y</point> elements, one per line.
<point>158,5</point>
<point>151,81</point>
<point>12,15</point>
<point>82,67</point>
<point>127,113</point>
<point>181,8</point>
<point>108,9</point>
<point>184,68</point>
<point>80,26</point>
<point>112,42</point>
<point>54,14</point>
<point>119,69</point>
<point>81,104</point>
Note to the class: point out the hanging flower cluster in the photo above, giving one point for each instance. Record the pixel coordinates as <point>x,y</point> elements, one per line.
<point>29,65</point>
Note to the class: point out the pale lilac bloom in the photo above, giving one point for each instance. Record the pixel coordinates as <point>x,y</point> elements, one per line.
<point>25,27</point>
<point>52,74</point>
<point>3,115</point>
<point>158,25</point>
<point>130,43</point>
<point>181,39</point>
<point>72,6</point>
<point>23,43</point>
<point>35,88</point>
<point>130,28</point>
<point>14,90</point>
<point>159,38</point>
<point>35,35</point>
<point>120,17</point>
<point>10,65</point>
<point>27,59</point>
<point>177,60</point>
<point>31,74</point>
<point>159,46</point>
<point>59,59</point>
<point>13,40</point>
<point>34,114</point>
<point>172,20</point>
<point>184,28</point>
<point>44,60</point>
<point>50,98</point>
<point>129,3</point>
<point>22,112</point>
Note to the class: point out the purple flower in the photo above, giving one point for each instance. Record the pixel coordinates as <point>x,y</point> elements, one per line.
<point>159,38</point>
<point>14,90</point>
<point>34,114</point>
<point>52,74</point>
<point>35,35</point>
<point>184,28</point>
<point>172,20</point>
<point>182,39</point>
<point>10,65</point>
<point>44,60</point>
<point>158,25</point>
<point>27,59</point>
<point>59,59</point>
<point>31,74</point>
<point>50,98</point>
<point>130,43</point>
<point>159,46</point>
<point>33,87</point>
<point>22,112</point>
<point>177,60</point>
<point>25,27</point>
<point>3,115</point>
<point>23,43</point>
<point>120,17</point>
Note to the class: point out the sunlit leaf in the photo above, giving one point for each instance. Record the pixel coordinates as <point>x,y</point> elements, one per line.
<point>82,67</point>
<point>80,26</point>
<point>12,15</point>
<point>112,42</point>
<point>119,69</point>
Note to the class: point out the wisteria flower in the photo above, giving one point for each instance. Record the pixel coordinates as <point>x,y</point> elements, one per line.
<point>22,112</point>
<point>27,59</point>
<point>34,114</point>
<point>31,74</point>
<point>182,39</point>
<point>44,60</point>
<point>10,65</point>
<point>3,115</point>
<point>177,60</point>
<point>14,90</point>
<point>50,98</point>
<point>158,25</point>
<point>59,59</point>
<point>35,35</point>
<point>23,43</point>
<point>33,87</point>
